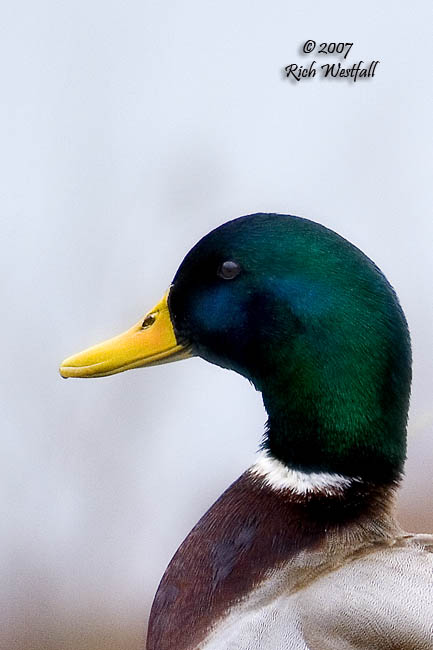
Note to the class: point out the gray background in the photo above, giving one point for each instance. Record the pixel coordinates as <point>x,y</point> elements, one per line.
<point>129,130</point>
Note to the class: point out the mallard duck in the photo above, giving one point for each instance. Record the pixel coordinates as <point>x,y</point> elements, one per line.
<point>303,551</point>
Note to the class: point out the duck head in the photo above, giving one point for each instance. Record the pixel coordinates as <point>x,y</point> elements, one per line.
<point>308,319</point>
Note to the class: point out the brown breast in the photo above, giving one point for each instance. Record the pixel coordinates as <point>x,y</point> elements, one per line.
<point>251,529</point>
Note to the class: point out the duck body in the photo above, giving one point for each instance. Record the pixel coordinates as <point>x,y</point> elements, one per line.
<point>267,569</point>
<point>303,550</point>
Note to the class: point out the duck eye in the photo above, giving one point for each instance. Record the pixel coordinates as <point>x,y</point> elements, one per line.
<point>229,270</point>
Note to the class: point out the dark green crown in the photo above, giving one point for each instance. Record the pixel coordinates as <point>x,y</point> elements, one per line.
<point>316,327</point>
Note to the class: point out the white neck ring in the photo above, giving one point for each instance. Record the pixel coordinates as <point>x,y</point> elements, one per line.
<point>278,476</point>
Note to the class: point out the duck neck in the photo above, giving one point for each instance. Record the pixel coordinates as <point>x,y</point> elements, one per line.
<point>348,509</point>
<point>334,436</point>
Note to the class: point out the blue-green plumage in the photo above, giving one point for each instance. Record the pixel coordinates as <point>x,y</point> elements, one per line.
<point>317,328</point>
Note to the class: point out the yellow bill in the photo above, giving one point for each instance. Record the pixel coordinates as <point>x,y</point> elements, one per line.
<point>150,342</point>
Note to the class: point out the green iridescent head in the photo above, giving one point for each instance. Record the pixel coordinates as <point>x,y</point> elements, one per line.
<point>317,328</point>
<point>304,315</point>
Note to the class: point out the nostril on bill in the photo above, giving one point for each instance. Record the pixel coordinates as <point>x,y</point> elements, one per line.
<point>148,321</point>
